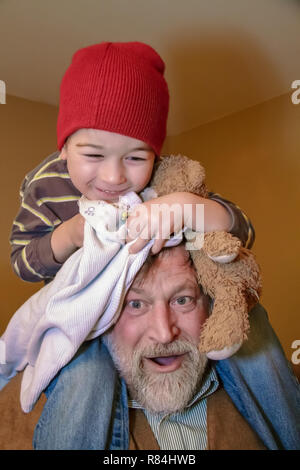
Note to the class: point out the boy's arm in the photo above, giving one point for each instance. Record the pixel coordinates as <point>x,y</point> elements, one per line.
<point>219,214</point>
<point>47,200</point>
<point>241,225</point>
<point>67,238</point>
<point>32,260</point>
<point>40,258</point>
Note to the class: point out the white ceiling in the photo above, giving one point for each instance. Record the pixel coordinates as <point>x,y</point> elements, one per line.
<point>221,55</point>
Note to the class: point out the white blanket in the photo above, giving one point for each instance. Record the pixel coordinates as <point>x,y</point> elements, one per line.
<point>82,302</point>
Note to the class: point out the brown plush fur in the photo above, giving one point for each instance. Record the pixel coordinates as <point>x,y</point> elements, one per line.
<point>235,287</point>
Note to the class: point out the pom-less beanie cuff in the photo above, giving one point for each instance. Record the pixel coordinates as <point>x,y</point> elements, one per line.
<point>117,87</point>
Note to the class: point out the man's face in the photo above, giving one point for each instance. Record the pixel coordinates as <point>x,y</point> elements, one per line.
<point>155,341</point>
<point>104,165</point>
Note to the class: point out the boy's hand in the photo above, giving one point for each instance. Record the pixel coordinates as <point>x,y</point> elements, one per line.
<point>159,218</point>
<point>155,219</point>
<point>67,238</point>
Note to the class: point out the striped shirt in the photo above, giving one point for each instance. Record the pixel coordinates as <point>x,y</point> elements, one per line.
<point>185,430</point>
<point>48,198</point>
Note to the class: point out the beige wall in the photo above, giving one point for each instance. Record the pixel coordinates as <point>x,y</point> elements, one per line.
<point>28,134</point>
<point>253,159</point>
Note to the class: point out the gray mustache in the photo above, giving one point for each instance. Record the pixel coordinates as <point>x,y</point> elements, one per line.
<point>175,348</point>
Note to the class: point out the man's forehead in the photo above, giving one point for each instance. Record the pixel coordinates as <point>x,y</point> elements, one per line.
<point>172,262</point>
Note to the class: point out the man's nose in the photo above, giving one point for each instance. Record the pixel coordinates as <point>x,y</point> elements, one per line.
<point>163,326</point>
<point>112,172</point>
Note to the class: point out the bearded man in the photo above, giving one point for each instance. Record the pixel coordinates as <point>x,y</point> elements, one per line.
<point>156,390</point>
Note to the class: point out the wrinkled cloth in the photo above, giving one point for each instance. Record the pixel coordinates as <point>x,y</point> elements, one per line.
<point>82,302</point>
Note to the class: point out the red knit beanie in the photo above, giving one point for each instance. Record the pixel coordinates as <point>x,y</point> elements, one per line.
<point>117,87</point>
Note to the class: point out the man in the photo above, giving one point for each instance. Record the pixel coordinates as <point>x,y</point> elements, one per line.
<point>154,344</point>
<point>155,348</point>
<point>169,396</point>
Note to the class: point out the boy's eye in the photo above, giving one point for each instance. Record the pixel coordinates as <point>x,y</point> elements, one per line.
<point>135,159</point>
<point>94,155</point>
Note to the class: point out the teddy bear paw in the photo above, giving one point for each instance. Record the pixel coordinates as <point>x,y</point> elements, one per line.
<point>221,247</point>
<point>224,353</point>
<point>223,258</point>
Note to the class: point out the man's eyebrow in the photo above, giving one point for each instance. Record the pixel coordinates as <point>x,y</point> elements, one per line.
<point>186,284</point>
<point>136,290</point>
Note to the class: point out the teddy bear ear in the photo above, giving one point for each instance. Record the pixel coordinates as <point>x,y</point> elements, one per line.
<point>223,353</point>
<point>178,173</point>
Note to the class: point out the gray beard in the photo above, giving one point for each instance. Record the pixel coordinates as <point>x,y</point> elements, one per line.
<point>160,392</point>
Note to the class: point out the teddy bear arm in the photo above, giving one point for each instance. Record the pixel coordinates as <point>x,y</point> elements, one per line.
<point>221,246</point>
<point>228,323</point>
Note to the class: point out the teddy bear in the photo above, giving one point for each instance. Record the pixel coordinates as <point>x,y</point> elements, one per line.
<point>227,272</point>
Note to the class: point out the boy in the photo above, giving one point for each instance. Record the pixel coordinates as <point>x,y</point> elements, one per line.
<point>114,98</point>
<point>111,126</point>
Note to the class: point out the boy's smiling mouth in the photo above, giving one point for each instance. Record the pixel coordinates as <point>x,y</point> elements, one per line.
<point>110,192</point>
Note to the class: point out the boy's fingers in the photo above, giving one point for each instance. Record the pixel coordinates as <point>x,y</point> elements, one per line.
<point>138,245</point>
<point>141,242</point>
<point>135,231</point>
<point>138,224</point>
<point>158,245</point>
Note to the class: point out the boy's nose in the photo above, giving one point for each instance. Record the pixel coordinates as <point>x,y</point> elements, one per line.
<point>163,325</point>
<point>112,173</point>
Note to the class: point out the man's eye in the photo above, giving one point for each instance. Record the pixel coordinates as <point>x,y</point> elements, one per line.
<point>184,301</point>
<point>135,304</point>
<point>136,307</point>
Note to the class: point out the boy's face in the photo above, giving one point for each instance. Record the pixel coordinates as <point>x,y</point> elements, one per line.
<point>104,165</point>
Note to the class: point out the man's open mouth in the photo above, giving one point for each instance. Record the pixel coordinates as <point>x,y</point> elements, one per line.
<point>166,360</point>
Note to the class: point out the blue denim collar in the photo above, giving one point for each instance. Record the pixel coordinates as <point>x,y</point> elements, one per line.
<point>120,425</point>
